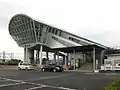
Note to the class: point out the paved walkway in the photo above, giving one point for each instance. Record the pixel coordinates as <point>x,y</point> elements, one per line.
<point>79,71</point>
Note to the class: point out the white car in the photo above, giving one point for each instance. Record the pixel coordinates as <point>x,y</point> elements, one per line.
<point>25,66</point>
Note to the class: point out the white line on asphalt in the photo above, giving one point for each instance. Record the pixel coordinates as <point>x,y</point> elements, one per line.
<point>40,85</point>
<point>12,80</point>
<point>89,73</point>
<point>35,87</point>
<point>6,85</point>
<point>48,77</point>
<point>62,88</point>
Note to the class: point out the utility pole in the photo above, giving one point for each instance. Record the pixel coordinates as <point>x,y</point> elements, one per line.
<point>3,56</point>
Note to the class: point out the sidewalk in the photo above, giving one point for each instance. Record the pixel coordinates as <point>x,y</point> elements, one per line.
<point>8,67</point>
<point>83,71</point>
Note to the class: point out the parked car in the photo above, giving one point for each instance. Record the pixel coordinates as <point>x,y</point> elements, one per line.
<point>25,66</point>
<point>52,67</point>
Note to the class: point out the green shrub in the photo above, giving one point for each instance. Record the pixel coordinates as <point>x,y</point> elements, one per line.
<point>1,63</point>
<point>116,83</point>
<point>111,88</point>
<point>114,86</point>
<point>11,62</point>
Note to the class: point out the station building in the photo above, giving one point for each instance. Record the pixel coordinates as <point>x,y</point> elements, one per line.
<point>38,36</point>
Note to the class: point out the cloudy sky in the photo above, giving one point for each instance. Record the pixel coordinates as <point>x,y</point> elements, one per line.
<point>97,20</point>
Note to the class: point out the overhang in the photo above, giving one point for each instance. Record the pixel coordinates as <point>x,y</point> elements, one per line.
<point>85,48</point>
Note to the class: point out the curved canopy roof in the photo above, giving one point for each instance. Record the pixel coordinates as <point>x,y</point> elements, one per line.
<point>24,30</point>
<point>18,19</point>
<point>21,28</point>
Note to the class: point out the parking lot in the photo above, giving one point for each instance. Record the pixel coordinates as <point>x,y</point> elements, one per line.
<point>11,79</point>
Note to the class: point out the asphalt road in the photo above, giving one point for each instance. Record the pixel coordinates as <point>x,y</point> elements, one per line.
<point>37,80</point>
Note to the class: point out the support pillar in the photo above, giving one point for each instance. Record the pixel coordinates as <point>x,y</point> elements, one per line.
<point>25,55</point>
<point>55,57</point>
<point>37,56</point>
<point>84,58</point>
<point>74,59</point>
<point>69,59</point>
<point>47,56</point>
<point>28,55</point>
<point>102,56</point>
<point>66,60</point>
<point>94,62</point>
<point>41,48</point>
<point>58,58</point>
<point>63,60</point>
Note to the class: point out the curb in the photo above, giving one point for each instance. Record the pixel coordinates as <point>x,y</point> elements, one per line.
<point>82,71</point>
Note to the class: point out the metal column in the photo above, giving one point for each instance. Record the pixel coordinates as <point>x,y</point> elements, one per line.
<point>66,59</point>
<point>55,57</point>
<point>63,60</point>
<point>74,59</point>
<point>58,57</point>
<point>102,56</point>
<point>94,62</point>
<point>30,55</point>
<point>69,59</point>
<point>41,47</point>
<point>25,55</point>
<point>47,55</point>
<point>37,56</point>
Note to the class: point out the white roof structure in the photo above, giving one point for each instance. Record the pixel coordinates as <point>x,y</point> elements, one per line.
<point>27,31</point>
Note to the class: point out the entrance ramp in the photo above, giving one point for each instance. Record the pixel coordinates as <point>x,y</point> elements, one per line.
<point>86,67</point>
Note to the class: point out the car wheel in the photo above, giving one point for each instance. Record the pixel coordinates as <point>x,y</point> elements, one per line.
<point>43,69</point>
<point>19,68</point>
<point>26,68</point>
<point>54,70</point>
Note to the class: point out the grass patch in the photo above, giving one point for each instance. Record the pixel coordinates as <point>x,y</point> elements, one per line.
<point>114,86</point>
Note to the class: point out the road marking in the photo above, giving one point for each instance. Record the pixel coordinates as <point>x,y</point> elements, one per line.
<point>89,73</point>
<point>40,85</point>
<point>62,88</point>
<point>6,85</point>
<point>12,80</point>
<point>36,87</point>
<point>110,73</point>
<point>49,77</point>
